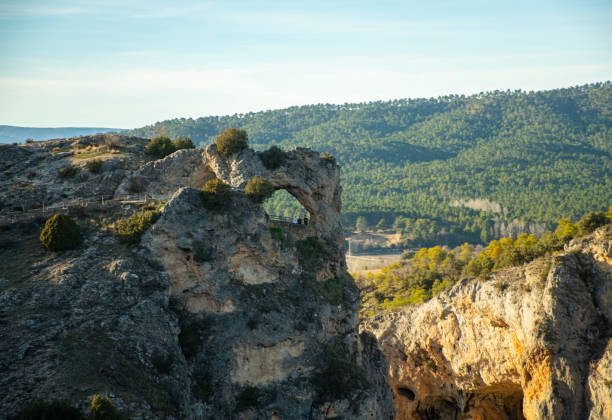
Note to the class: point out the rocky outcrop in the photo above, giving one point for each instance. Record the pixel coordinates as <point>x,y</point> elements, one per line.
<point>514,228</point>
<point>30,179</point>
<point>267,324</point>
<point>208,316</point>
<point>313,181</point>
<point>531,341</point>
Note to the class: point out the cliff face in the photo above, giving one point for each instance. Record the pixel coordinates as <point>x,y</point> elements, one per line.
<point>209,316</point>
<point>532,341</point>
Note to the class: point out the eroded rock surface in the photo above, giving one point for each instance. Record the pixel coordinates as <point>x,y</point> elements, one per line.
<point>532,342</point>
<point>313,181</point>
<point>208,316</point>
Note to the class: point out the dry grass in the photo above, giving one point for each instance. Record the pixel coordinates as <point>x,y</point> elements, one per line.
<point>364,264</point>
<point>96,151</point>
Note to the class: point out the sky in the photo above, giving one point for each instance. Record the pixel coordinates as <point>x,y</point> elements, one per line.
<point>125,64</point>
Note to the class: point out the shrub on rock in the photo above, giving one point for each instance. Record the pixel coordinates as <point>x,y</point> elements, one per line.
<point>183,143</point>
<point>102,408</point>
<point>590,222</point>
<point>60,233</point>
<point>216,194</point>
<point>67,171</point>
<point>94,166</point>
<point>130,229</point>
<point>328,158</point>
<point>273,158</point>
<point>231,141</point>
<point>159,147</point>
<point>259,189</point>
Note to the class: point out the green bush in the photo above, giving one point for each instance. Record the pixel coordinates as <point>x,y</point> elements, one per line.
<point>102,408</point>
<point>590,222</point>
<point>160,147</point>
<point>566,230</point>
<point>231,141</point>
<point>55,410</point>
<point>67,171</point>
<point>94,166</point>
<point>60,233</point>
<point>130,229</point>
<point>259,189</point>
<point>273,158</point>
<point>216,194</point>
<point>328,158</point>
<point>183,143</point>
<point>249,397</point>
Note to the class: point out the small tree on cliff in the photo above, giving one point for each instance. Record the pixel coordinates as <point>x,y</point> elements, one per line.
<point>160,147</point>
<point>273,158</point>
<point>259,189</point>
<point>183,143</point>
<point>590,222</point>
<point>216,194</point>
<point>231,141</point>
<point>60,233</point>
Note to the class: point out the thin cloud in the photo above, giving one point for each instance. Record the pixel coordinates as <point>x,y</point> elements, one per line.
<point>11,11</point>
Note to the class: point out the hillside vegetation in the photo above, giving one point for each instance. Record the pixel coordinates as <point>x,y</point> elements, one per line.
<point>536,156</point>
<point>432,270</point>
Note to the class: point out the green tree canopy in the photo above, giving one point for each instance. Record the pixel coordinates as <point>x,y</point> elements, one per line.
<point>160,147</point>
<point>60,233</point>
<point>231,141</point>
<point>183,143</point>
<point>259,189</point>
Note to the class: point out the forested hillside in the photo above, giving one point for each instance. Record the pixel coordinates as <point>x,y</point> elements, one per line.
<point>539,155</point>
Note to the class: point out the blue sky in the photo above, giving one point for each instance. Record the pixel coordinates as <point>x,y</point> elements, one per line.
<point>127,64</point>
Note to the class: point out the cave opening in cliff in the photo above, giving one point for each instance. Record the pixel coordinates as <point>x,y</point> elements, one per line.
<point>503,401</point>
<point>405,392</point>
<point>283,206</point>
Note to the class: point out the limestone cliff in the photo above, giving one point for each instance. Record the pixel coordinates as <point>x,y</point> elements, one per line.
<point>530,342</point>
<point>209,316</point>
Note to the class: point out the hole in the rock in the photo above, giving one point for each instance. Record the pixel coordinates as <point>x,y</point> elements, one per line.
<point>437,408</point>
<point>405,392</point>
<point>503,402</point>
<point>284,207</point>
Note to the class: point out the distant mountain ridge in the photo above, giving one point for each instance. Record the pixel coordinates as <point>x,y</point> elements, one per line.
<point>12,133</point>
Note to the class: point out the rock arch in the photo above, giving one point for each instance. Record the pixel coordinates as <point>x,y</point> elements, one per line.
<point>313,181</point>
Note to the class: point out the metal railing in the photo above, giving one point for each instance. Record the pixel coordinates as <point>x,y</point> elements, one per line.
<point>288,220</point>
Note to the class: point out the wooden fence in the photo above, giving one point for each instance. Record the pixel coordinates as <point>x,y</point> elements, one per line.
<point>12,215</point>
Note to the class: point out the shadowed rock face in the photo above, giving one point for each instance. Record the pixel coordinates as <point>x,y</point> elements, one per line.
<point>532,342</point>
